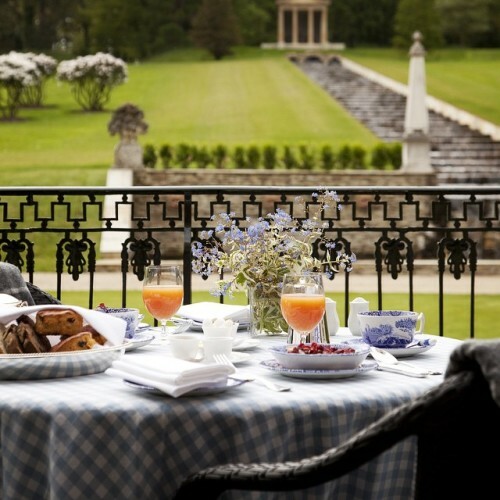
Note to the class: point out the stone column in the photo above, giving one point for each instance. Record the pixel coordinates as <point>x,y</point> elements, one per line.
<point>310,26</point>
<point>295,25</point>
<point>416,144</point>
<point>281,24</point>
<point>324,26</point>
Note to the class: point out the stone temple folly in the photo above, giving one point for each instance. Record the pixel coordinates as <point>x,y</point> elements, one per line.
<point>303,24</point>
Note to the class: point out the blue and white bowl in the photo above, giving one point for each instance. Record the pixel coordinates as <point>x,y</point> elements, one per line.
<point>391,328</point>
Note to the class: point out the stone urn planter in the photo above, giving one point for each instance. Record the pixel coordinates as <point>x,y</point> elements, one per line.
<point>128,122</point>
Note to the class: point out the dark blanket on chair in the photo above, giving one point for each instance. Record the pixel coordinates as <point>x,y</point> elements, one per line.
<point>482,356</point>
<point>12,283</point>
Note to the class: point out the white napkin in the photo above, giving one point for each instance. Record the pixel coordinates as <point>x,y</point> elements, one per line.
<point>8,300</point>
<point>207,310</point>
<point>113,329</point>
<point>172,376</point>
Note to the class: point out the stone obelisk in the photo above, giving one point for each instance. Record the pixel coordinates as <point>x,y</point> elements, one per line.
<point>416,144</point>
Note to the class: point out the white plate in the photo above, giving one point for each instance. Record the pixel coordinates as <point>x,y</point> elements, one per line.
<point>273,365</point>
<point>423,345</point>
<point>58,364</point>
<point>139,340</point>
<point>201,391</point>
<point>246,344</point>
<point>239,357</point>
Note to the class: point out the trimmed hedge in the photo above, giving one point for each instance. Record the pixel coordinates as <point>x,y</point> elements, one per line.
<point>383,156</point>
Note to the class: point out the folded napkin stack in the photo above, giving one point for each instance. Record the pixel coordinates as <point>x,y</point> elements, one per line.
<point>172,376</point>
<point>201,311</point>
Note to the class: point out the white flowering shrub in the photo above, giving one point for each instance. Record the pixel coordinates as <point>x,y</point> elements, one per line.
<point>33,95</point>
<point>17,73</point>
<point>92,78</point>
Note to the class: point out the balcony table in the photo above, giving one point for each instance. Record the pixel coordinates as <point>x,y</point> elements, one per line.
<point>94,437</point>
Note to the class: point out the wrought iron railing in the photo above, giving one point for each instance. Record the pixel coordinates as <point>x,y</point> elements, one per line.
<point>67,230</point>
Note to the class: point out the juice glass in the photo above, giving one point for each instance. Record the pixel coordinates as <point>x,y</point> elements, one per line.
<point>303,302</point>
<point>162,293</point>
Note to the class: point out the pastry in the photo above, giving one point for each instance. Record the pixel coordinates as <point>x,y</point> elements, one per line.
<point>78,342</point>
<point>100,339</point>
<point>58,322</point>
<point>22,338</point>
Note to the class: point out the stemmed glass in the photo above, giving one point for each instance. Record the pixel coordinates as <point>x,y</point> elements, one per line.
<point>303,302</point>
<point>162,293</point>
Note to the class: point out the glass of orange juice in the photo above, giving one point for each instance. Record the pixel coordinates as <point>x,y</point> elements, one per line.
<point>162,293</point>
<point>303,302</point>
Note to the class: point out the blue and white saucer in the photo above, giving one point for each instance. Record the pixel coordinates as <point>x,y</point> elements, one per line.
<point>418,346</point>
<point>140,339</point>
<point>272,364</point>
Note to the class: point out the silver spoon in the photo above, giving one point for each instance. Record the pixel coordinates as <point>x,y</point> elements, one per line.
<point>387,358</point>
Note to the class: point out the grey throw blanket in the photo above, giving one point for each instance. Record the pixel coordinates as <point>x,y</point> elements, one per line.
<point>12,283</point>
<point>482,356</point>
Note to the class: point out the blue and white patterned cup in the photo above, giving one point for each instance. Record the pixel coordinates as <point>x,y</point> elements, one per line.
<point>391,328</point>
<point>129,314</point>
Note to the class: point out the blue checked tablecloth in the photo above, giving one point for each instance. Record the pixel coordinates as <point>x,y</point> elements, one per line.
<point>94,437</point>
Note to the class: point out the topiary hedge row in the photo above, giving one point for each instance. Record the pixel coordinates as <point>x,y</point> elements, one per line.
<point>303,157</point>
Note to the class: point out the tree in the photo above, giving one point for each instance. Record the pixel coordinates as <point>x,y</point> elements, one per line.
<point>464,21</point>
<point>257,22</point>
<point>215,27</point>
<point>417,15</point>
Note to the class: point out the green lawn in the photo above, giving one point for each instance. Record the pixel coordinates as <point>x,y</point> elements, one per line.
<point>456,322</point>
<point>234,101</point>
<point>468,79</point>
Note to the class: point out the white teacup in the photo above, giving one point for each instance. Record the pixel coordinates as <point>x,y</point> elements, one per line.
<point>186,346</point>
<point>391,328</point>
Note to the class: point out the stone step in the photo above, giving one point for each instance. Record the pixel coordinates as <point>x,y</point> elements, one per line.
<point>458,153</point>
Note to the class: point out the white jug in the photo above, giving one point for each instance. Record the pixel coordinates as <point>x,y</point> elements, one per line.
<point>331,317</point>
<point>357,305</point>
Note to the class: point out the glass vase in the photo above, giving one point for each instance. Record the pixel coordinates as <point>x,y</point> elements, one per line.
<point>265,312</point>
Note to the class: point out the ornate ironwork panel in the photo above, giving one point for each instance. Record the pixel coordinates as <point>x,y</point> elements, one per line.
<point>70,230</point>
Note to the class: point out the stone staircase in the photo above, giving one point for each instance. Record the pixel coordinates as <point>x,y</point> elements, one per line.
<point>459,154</point>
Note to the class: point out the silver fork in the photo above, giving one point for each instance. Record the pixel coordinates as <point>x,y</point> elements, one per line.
<point>222,359</point>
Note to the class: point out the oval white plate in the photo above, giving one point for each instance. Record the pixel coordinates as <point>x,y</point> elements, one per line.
<point>273,365</point>
<point>201,391</point>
